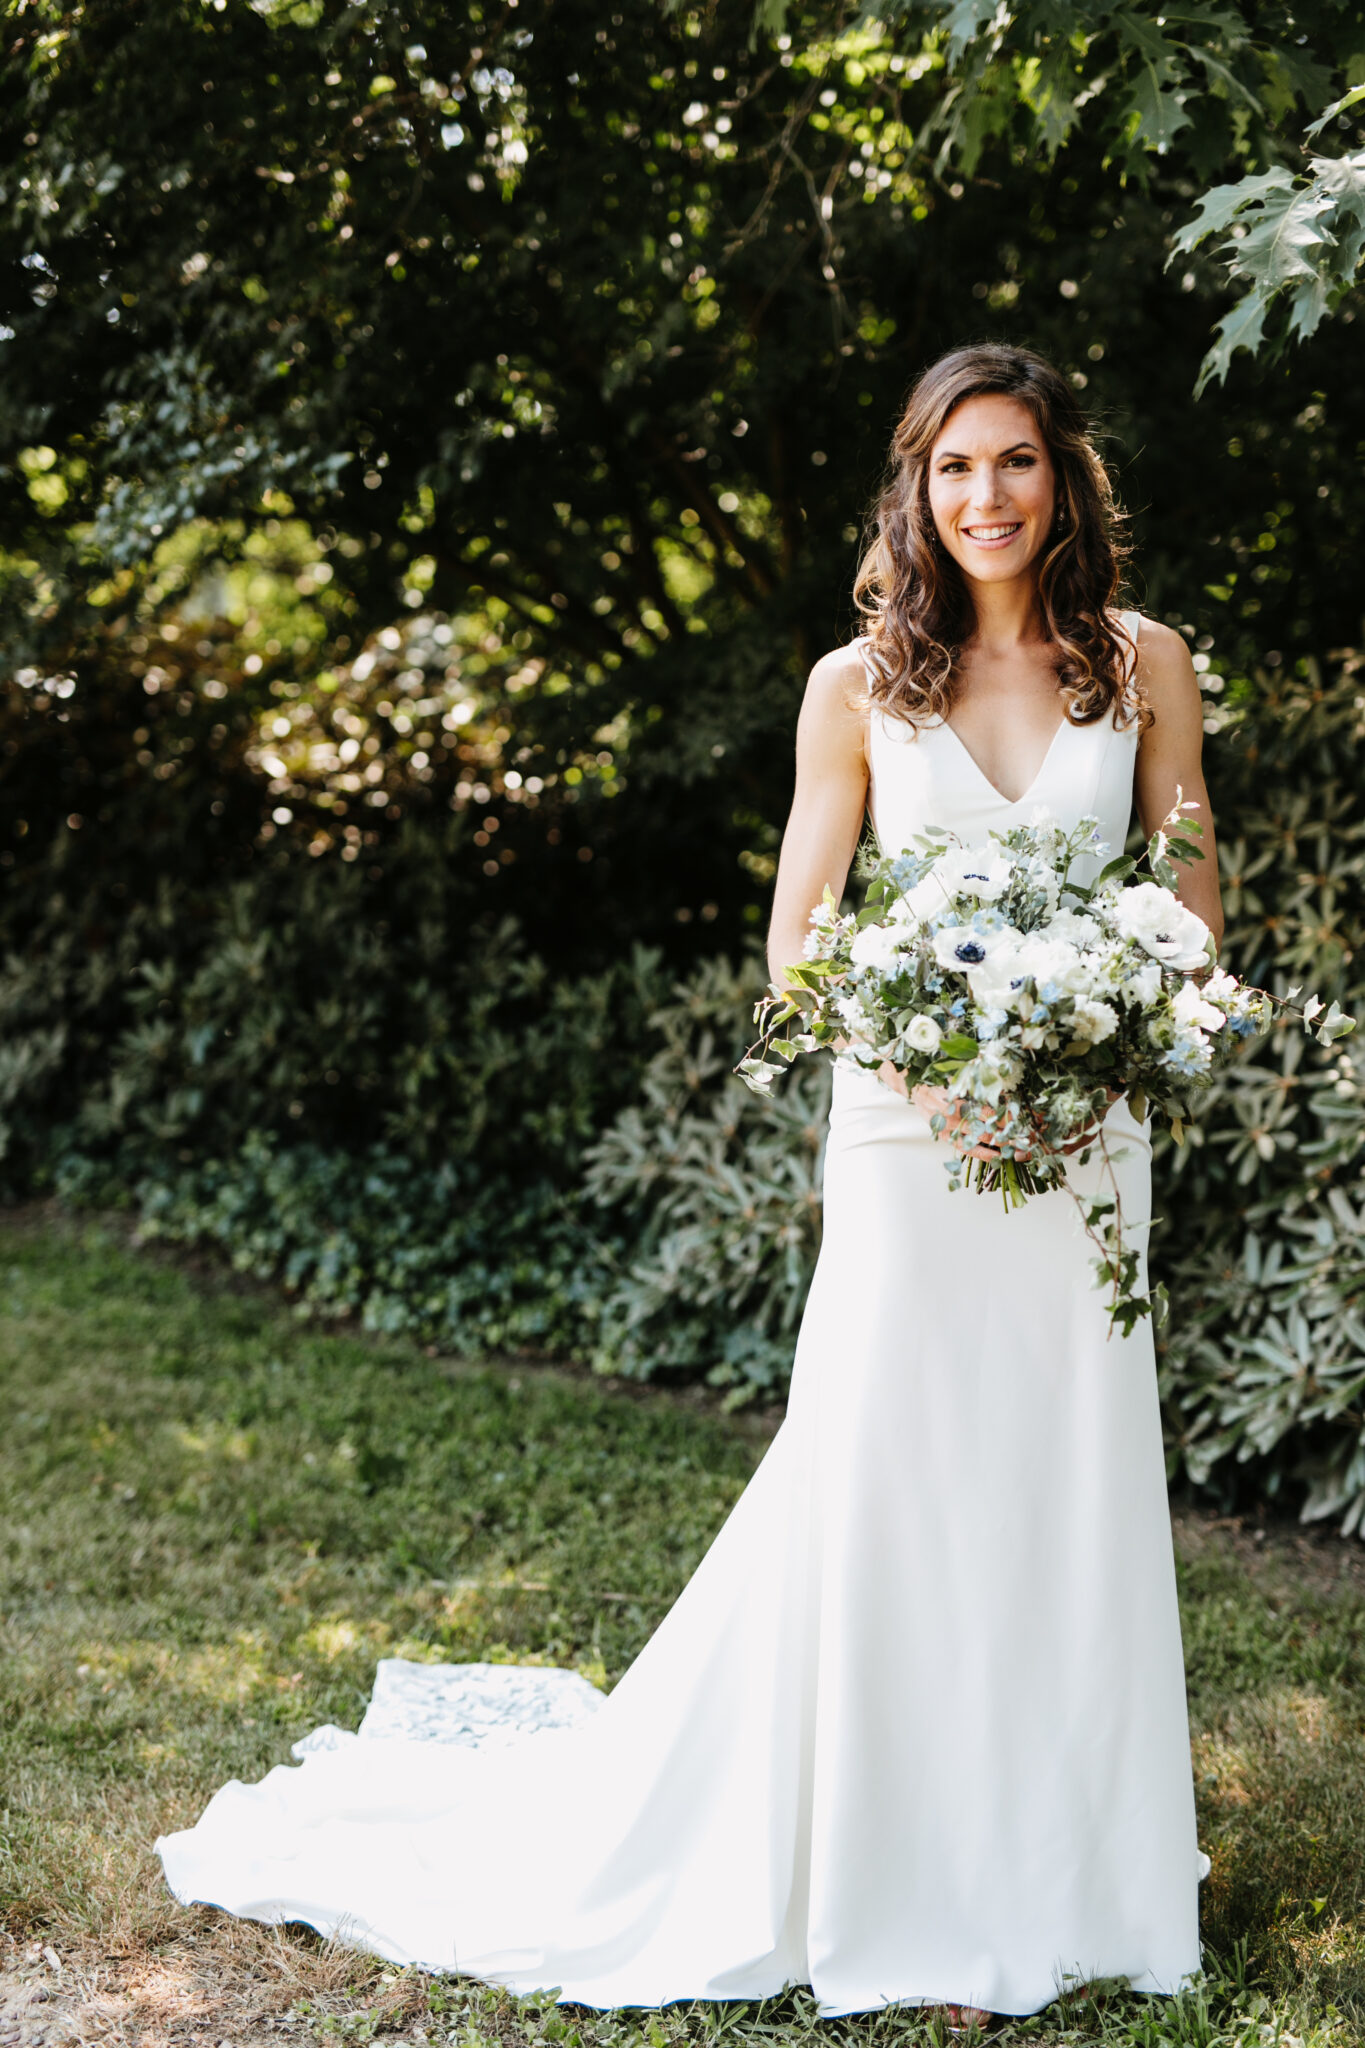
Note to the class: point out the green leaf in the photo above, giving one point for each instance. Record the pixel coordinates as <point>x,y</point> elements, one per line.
<point>1116,870</point>
<point>1160,111</point>
<point>1348,100</point>
<point>1219,207</point>
<point>965,22</point>
<point>1243,327</point>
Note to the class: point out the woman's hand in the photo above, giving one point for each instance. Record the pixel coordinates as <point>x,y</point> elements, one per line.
<point>932,1102</point>
<point>1089,1137</point>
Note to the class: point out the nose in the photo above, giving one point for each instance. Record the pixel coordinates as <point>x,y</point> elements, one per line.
<point>986,491</point>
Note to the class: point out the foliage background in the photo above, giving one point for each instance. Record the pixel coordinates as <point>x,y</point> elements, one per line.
<point>432,449</point>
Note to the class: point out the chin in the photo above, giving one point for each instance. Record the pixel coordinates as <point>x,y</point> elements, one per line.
<point>997,568</point>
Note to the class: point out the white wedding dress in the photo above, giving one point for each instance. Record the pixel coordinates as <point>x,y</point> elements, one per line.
<point>916,1729</point>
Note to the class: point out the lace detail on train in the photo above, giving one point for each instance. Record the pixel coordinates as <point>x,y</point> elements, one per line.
<point>479,1706</point>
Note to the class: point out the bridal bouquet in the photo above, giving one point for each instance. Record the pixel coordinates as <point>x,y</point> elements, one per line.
<point>1032,998</point>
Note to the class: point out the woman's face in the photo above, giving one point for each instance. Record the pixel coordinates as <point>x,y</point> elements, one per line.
<point>992,487</point>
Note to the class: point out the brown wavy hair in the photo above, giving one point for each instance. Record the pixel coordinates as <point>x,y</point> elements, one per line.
<point>913,598</point>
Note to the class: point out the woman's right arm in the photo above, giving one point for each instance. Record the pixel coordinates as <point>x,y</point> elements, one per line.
<point>827,809</point>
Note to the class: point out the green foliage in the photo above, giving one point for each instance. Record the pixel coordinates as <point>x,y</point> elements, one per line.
<point>1298,240</point>
<point>459,1255</point>
<point>288,1007</point>
<point>717,1197</point>
<point>679,1244</point>
<point>1142,76</point>
<point>1265,1360</point>
<point>1204,87</point>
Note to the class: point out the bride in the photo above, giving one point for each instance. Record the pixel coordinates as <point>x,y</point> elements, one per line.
<point>915,1733</point>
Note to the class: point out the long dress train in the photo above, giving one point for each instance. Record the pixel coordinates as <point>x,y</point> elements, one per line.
<point>916,1729</point>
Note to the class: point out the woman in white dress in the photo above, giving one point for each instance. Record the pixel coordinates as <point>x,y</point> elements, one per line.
<point>915,1732</point>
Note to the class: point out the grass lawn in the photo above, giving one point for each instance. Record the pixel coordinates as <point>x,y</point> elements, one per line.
<point>213,1518</point>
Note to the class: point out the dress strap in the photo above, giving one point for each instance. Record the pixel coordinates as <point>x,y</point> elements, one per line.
<point>1131,623</point>
<point>863,650</point>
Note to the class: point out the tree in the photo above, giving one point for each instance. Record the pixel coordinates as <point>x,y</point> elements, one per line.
<point>585,337</point>
<point>1204,87</point>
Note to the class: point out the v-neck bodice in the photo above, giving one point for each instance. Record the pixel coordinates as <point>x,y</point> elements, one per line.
<point>923,778</point>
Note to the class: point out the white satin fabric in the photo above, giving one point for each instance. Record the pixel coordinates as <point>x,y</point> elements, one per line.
<point>916,1729</point>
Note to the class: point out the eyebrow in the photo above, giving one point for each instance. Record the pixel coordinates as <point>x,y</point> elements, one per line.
<point>950,455</point>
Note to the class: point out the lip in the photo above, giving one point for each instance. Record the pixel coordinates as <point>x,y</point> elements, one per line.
<point>1001,531</point>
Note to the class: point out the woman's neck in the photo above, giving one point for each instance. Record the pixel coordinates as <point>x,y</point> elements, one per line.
<point>1008,615</point>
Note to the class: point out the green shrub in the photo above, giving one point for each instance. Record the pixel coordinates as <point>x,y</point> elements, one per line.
<point>444,1254</point>
<point>717,1195</point>
<point>424,1128</point>
<point>685,1248</point>
<point>1263,1367</point>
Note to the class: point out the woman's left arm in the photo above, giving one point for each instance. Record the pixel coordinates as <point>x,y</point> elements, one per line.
<point>1169,761</point>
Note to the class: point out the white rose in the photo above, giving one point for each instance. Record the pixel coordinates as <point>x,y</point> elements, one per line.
<point>1158,922</point>
<point>984,873</point>
<point>1094,1022</point>
<point>1191,1011</point>
<point>875,946</point>
<point>924,1035</point>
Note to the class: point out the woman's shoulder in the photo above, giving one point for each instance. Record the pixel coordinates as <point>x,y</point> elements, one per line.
<point>838,681</point>
<point>1164,673</point>
<point>1163,655</point>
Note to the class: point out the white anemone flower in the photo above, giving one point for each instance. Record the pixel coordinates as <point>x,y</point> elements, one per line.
<point>1076,928</point>
<point>926,900</point>
<point>963,948</point>
<point>982,872</point>
<point>1159,923</point>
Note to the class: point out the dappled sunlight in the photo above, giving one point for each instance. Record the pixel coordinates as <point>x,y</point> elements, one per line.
<point>340,1637</point>
<point>235,1445</point>
<point>1220,1767</point>
<point>229,1674</point>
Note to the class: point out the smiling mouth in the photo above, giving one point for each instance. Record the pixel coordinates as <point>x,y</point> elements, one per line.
<point>994,533</point>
